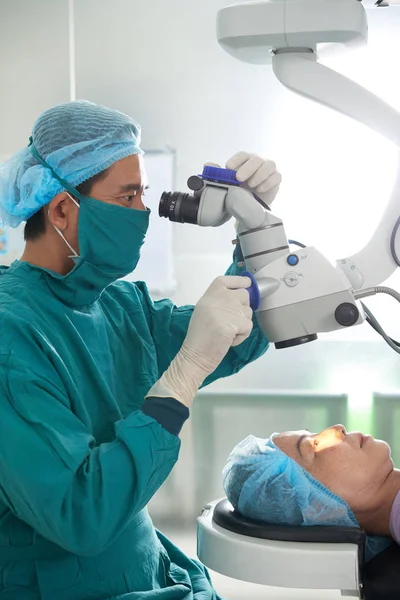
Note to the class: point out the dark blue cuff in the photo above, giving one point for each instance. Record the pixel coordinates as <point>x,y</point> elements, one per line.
<point>170,413</point>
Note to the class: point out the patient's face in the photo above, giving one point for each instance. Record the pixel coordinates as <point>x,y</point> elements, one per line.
<point>351,465</point>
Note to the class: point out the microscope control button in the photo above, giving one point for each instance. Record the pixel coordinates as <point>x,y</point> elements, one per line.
<point>291,279</point>
<point>293,260</point>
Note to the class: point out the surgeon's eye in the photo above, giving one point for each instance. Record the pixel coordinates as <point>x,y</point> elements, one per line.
<point>129,199</point>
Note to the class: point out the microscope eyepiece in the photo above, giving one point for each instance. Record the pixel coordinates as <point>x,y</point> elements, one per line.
<point>179,207</point>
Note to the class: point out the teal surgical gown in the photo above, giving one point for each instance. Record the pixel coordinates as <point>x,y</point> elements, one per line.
<point>79,459</point>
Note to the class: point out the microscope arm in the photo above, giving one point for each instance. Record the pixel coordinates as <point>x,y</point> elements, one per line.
<point>302,74</point>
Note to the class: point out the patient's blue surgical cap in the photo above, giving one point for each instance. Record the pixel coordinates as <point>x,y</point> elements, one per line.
<point>264,483</point>
<point>77,140</point>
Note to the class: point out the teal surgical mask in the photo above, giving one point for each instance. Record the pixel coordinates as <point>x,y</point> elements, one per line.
<point>110,239</point>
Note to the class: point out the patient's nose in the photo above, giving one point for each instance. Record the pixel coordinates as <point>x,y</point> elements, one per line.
<point>340,429</point>
<point>330,437</point>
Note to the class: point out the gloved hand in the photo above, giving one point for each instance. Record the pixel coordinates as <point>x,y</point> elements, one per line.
<point>259,174</point>
<point>222,318</point>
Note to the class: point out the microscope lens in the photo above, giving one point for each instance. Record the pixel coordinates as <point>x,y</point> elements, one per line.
<point>179,207</point>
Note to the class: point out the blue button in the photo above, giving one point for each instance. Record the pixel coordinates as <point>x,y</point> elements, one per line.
<point>220,175</point>
<point>293,260</point>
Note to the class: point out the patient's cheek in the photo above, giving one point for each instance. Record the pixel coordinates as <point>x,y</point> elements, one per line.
<point>331,468</point>
<point>334,483</point>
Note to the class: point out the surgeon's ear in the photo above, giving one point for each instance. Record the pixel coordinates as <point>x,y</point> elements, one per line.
<point>60,211</point>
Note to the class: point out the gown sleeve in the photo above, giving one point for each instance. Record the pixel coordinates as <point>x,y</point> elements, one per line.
<point>54,476</point>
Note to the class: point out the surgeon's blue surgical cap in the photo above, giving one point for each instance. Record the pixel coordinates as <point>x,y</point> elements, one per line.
<point>264,483</point>
<point>77,140</point>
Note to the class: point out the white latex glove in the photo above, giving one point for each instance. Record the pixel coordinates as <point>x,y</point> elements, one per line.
<point>259,174</point>
<point>222,318</point>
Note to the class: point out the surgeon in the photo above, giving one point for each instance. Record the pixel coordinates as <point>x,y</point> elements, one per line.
<point>334,477</point>
<point>96,379</point>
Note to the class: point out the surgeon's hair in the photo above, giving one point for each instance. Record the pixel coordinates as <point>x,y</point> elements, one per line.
<point>35,226</point>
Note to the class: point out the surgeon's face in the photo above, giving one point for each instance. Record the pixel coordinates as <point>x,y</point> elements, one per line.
<point>123,184</point>
<point>351,465</point>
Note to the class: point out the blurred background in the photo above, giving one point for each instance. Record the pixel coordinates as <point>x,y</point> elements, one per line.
<point>158,61</point>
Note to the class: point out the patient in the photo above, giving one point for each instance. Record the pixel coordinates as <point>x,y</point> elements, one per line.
<point>330,478</point>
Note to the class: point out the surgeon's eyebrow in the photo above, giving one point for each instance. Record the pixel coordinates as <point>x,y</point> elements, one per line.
<point>133,187</point>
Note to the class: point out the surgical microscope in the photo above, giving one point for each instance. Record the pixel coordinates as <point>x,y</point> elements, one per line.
<point>298,293</point>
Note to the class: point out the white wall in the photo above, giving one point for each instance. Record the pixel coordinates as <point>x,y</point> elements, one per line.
<point>34,65</point>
